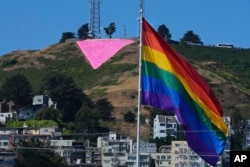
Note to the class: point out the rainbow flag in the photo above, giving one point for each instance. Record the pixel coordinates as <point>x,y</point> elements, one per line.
<point>169,83</point>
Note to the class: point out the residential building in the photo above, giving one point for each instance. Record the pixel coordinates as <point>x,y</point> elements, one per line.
<point>6,106</point>
<point>7,159</point>
<point>53,131</point>
<point>62,147</point>
<point>164,126</point>
<point>26,113</point>
<point>92,156</point>
<point>97,156</point>
<point>163,157</point>
<point>4,142</point>
<point>145,160</point>
<point>225,158</point>
<point>77,156</point>
<point>115,149</point>
<point>43,100</point>
<point>5,117</point>
<point>118,150</point>
<point>10,136</point>
<point>145,151</point>
<point>245,129</point>
<point>183,155</point>
<point>145,147</point>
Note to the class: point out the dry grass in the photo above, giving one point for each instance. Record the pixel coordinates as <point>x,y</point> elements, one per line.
<point>124,95</point>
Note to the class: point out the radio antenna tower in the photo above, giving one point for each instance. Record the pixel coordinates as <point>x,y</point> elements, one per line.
<point>95,25</point>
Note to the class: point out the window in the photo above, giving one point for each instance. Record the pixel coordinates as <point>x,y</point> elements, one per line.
<point>130,164</point>
<point>65,153</point>
<point>169,125</point>
<point>163,157</point>
<point>162,131</point>
<point>131,158</point>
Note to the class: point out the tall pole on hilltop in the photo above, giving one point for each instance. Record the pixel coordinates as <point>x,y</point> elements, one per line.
<point>95,25</point>
<point>139,89</point>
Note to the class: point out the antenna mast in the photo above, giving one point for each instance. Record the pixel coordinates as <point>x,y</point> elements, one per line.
<point>95,25</point>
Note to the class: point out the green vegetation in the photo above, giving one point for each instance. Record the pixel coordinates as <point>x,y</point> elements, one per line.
<point>130,117</point>
<point>164,32</point>
<point>70,61</point>
<point>231,64</point>
<point>31,123</point>
<point>18,89</point>
<point>110,29</point>
<point>7,63</point>
<point>97,93</point>
<point>62,72</point>
<point>67,35</point>
<point>36,153</point>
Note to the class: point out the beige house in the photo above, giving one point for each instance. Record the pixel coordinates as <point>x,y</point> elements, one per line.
<point>183,155</point>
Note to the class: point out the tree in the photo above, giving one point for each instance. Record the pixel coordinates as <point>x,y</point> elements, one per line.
<point>66,94</point>
<point>190,36</point>
<point>67,35</point>
<point>83,31</point>
<point>48,114</point>
<point>238,125</point>
<point>87,120</point>
<point>17,89</point>
<point>36,153</point>
<point>129,117</point>
<point>164,32</point>
<point>152,163</point>
<point>154,112</point>
<point>162,141</point>
<point>236,119</point>
<point>110,29</point>
<point>105,108</point>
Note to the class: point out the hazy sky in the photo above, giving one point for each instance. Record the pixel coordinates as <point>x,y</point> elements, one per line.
<point>32,24</point>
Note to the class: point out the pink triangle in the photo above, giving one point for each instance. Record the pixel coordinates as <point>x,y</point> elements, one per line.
<point>98,51</point>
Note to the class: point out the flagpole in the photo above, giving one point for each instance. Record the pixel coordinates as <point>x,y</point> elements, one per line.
<point>139,89</point>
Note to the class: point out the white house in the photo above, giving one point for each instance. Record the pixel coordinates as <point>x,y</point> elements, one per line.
<point>165,125</point>
<point>5,116</point>
<point>43,100</point>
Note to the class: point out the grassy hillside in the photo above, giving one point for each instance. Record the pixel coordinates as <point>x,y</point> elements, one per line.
<point>226,70</point>
<point>65,58</point>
